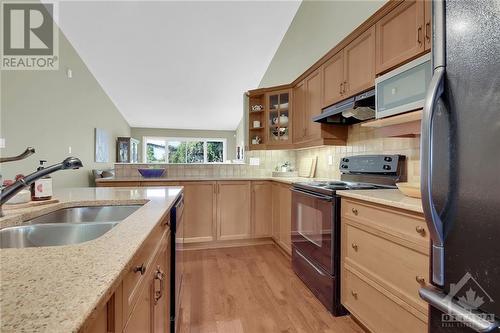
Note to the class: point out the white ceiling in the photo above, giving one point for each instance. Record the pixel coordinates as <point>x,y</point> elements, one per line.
<point>177,64</point>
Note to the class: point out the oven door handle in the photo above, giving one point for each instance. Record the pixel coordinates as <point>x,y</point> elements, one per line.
<point>310,263</point>
<point>317,196</point>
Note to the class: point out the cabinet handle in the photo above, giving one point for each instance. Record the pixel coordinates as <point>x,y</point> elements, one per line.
<point>354,294</point>
<point>355,211</point>
<point>420,230</point>
<point>419,32</point>
<point>340,91</point>
<point>355,246</point>
<point>159,275</point>
<point>345,87</point>
<point>420,279</point>
<point>428,31</point>
<point>140,269</point>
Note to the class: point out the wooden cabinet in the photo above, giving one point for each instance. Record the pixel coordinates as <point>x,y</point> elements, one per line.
<point>299,114</point>
<point>262,209</point>
<point>199,211</point>
<point>161,290</point>
<point>428,26</point>
<point>333,79</point>
<point>400,35</point>
<point>233,210</point>
<point>282,216</point>
<point>391,279</point>
<point>359,64</point>
<point>278,122</point>
<point>313,105</point>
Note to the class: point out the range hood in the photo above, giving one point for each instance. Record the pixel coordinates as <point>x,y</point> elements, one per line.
<point>350,111</point>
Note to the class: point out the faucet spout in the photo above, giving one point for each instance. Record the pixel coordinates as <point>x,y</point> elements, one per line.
<point>11,190</point>
<point>28,152</point>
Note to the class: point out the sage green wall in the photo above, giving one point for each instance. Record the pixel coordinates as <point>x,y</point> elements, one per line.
<point>316,28</point>
<point>49,111</point>
<point>230,136</point>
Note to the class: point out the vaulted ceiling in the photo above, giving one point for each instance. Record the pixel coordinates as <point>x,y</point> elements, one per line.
<point>177,64</point>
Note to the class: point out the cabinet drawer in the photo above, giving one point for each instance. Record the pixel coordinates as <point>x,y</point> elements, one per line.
<point>375,310</point>
<point>134,279</point>
<point>406,227</point>
<point>399,269</point>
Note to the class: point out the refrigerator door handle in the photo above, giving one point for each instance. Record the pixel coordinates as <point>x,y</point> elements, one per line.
<point>476,320</point>
<point>434,93</point>
<point>432,217</point>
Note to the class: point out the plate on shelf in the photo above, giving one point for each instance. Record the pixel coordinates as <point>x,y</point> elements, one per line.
<point>281,106</point>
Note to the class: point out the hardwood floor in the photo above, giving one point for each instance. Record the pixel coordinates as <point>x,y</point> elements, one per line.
<point>251,289</point>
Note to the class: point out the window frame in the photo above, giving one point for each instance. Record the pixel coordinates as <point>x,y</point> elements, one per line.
<point>167,139</point>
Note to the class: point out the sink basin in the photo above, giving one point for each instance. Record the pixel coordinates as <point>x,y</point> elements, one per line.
<point>52,234</point>
<point>65,226</point>
<point>86,214</point>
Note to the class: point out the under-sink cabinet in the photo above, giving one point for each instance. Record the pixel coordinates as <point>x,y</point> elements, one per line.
<point>141,301</point>
<point>384,262</point>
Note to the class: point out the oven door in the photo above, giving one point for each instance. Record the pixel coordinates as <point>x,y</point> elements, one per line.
<point>312,223</point>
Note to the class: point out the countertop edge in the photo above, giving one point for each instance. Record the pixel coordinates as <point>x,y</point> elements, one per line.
<point>392,198</point>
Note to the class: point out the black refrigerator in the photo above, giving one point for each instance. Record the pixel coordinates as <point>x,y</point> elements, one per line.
<point>460,165</point>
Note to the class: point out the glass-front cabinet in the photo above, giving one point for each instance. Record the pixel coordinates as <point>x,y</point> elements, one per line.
<point>278,118</point>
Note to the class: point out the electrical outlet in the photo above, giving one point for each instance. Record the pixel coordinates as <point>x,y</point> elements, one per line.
<point>330,160</point>
<point>254,161</point>
<point>69,150</point>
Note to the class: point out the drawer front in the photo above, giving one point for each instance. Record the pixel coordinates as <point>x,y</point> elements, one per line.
<point>398,268</point>
<point>375,310</point>
<point>406,226</point>
<point>134,279</point>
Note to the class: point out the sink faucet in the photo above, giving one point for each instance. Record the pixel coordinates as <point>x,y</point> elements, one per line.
<point>11,190</point>
<point>29,151</point>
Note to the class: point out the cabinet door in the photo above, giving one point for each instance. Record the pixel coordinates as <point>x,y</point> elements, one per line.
<point>359,63</point>
<point>313,105</point>
<point>262,209</point>
<point>299,112</point>
<point>428,27</point>
<point>161,291</point>
<point>276,211</point>
<point>333,79</point>
<point>285,218</point>
<point>278,108</point>
<point>233,210</point>
<point>141,315</point>
<point>199,211</point>
<point>400,35</point>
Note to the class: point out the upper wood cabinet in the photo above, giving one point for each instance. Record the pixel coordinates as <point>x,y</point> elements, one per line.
<point>233,210</point>
<point>262,209</point>
<point>199,211</point>
<point>333,79</point>
<point>428,27</point>
<point>400,35</point>
<point>313,105</point>
<point>359,64</point>
<point>278,120</point>
<point>299,114</point>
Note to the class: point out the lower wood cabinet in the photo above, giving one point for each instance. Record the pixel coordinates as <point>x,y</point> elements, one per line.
<point>382,291</point>
<point>233,210</point>
<point>262,209</point>
<point>199,211</point>
<point>282,216</point>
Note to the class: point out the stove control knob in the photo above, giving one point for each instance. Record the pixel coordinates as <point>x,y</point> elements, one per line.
<point>388,159</point>
<point>345,160</point>
<point>344,166</point>
<point>387,167</point>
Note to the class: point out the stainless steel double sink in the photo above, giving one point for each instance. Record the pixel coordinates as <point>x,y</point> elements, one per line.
<point>65,226</point>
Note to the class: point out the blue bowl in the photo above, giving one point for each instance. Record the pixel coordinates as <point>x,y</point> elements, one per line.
<point>151,173</point>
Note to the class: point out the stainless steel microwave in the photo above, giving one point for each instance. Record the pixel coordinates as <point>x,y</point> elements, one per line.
<point>404,88</point>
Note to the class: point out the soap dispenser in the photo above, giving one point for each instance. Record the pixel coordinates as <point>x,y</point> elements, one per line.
<point>41,189</point>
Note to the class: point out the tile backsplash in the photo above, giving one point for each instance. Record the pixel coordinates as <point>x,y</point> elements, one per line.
<point>361,140</point>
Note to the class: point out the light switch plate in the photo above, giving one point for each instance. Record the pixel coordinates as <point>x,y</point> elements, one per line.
<point>254,161</point>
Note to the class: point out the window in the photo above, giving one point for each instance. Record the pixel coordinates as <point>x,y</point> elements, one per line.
<point>183,150</point>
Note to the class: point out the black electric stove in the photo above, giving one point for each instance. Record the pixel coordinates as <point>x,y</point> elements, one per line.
<point>316,221</point>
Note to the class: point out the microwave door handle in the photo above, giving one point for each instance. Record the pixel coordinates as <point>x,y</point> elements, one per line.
<point>317,196</point>
<point>475,320</point>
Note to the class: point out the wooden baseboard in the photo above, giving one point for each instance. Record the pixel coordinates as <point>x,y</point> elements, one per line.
<point>227,243</point>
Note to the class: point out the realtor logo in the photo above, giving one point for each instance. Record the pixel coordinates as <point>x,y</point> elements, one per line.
<point>471,296</point>
<point>29,36</point>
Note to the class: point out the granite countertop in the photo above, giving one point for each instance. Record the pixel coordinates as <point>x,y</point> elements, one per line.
<point>286,180</point>
<point>55,289</point>
<point>388,197</point>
